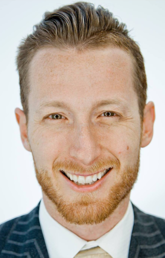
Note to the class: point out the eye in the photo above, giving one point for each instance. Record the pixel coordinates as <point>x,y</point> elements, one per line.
<point>56,116</point>
<point>109,114</point>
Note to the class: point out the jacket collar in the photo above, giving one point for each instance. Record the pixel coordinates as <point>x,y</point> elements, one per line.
<point>148,236</point>
<point>147,239</point>
<point>37,246</point>
<point>26,238</point>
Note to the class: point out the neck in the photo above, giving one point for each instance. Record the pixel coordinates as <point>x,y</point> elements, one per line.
<point>89,232</point>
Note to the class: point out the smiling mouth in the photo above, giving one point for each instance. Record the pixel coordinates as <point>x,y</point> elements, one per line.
<point>86,180</point>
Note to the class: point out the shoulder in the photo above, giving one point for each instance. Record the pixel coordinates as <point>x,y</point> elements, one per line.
<point>12,230</point>
<point>148,235</point>
<point>144,219</point>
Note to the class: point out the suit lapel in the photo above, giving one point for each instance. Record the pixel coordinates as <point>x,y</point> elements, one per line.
<point>26,238</point>
<point>147,239</point>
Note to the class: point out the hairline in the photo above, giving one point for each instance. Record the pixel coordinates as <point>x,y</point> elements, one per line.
<point>81,48</point>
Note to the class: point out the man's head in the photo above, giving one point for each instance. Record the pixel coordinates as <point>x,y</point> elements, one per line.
<point>80,26</point>
<point>85,88</point>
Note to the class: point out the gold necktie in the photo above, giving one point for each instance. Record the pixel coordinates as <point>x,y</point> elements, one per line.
<point>95,252</point>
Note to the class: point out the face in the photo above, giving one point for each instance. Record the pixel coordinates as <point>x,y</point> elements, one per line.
<point>84,130</point>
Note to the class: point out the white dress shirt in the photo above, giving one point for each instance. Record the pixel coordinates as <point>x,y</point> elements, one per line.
<point>62,243</point>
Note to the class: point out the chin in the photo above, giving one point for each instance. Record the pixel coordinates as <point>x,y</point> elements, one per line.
<point>86,208</point>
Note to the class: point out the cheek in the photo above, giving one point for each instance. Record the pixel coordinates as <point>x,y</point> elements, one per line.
<point>120,152</point>
<point>122,144</point>
<point>46,147</point>
<point>128,153</point>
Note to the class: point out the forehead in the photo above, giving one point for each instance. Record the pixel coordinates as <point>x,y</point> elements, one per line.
<point>52,58</point>
<point>89,74</point>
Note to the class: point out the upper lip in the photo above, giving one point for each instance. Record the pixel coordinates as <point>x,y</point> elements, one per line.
<point>85,175</point>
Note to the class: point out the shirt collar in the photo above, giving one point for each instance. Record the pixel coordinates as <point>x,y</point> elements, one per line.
<point>62,243</point>
<point>117,241</point>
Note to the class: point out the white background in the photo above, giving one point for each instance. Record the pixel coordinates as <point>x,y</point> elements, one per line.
<point>19,190</point>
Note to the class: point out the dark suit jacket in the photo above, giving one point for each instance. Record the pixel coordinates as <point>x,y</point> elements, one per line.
<point>22,237</point>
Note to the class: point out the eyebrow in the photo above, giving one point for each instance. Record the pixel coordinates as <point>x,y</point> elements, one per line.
<point>61,104</point>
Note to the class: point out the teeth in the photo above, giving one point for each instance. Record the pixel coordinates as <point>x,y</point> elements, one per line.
<point>99,175</point>
<point>94,178</point>
<point>86,180</point>
<point>75,179</point>
<point>81,180</point>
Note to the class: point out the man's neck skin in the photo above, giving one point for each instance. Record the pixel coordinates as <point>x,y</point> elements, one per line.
<point>89,232</point>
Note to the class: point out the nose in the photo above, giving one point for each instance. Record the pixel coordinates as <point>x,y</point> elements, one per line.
<point>85,146</point>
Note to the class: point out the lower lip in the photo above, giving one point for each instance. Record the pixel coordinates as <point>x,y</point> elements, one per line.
<point>86,188</point>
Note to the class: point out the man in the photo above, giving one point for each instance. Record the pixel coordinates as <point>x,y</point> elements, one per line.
<point>83,90</point>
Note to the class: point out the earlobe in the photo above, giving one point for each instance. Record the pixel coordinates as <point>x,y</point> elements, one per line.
<point>148,124</point>
<point>21,120</point>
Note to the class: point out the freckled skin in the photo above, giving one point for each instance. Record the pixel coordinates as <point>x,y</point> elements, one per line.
<point>84,135</point>
<point>69,77</point>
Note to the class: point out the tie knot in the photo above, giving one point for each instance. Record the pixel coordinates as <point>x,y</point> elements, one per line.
<point>95,252</point>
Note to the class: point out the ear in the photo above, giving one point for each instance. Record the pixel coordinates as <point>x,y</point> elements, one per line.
<point>21,120</point>
<point>148,123</point>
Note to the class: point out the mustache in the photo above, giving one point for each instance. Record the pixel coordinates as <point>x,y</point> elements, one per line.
<point>70,166</point>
